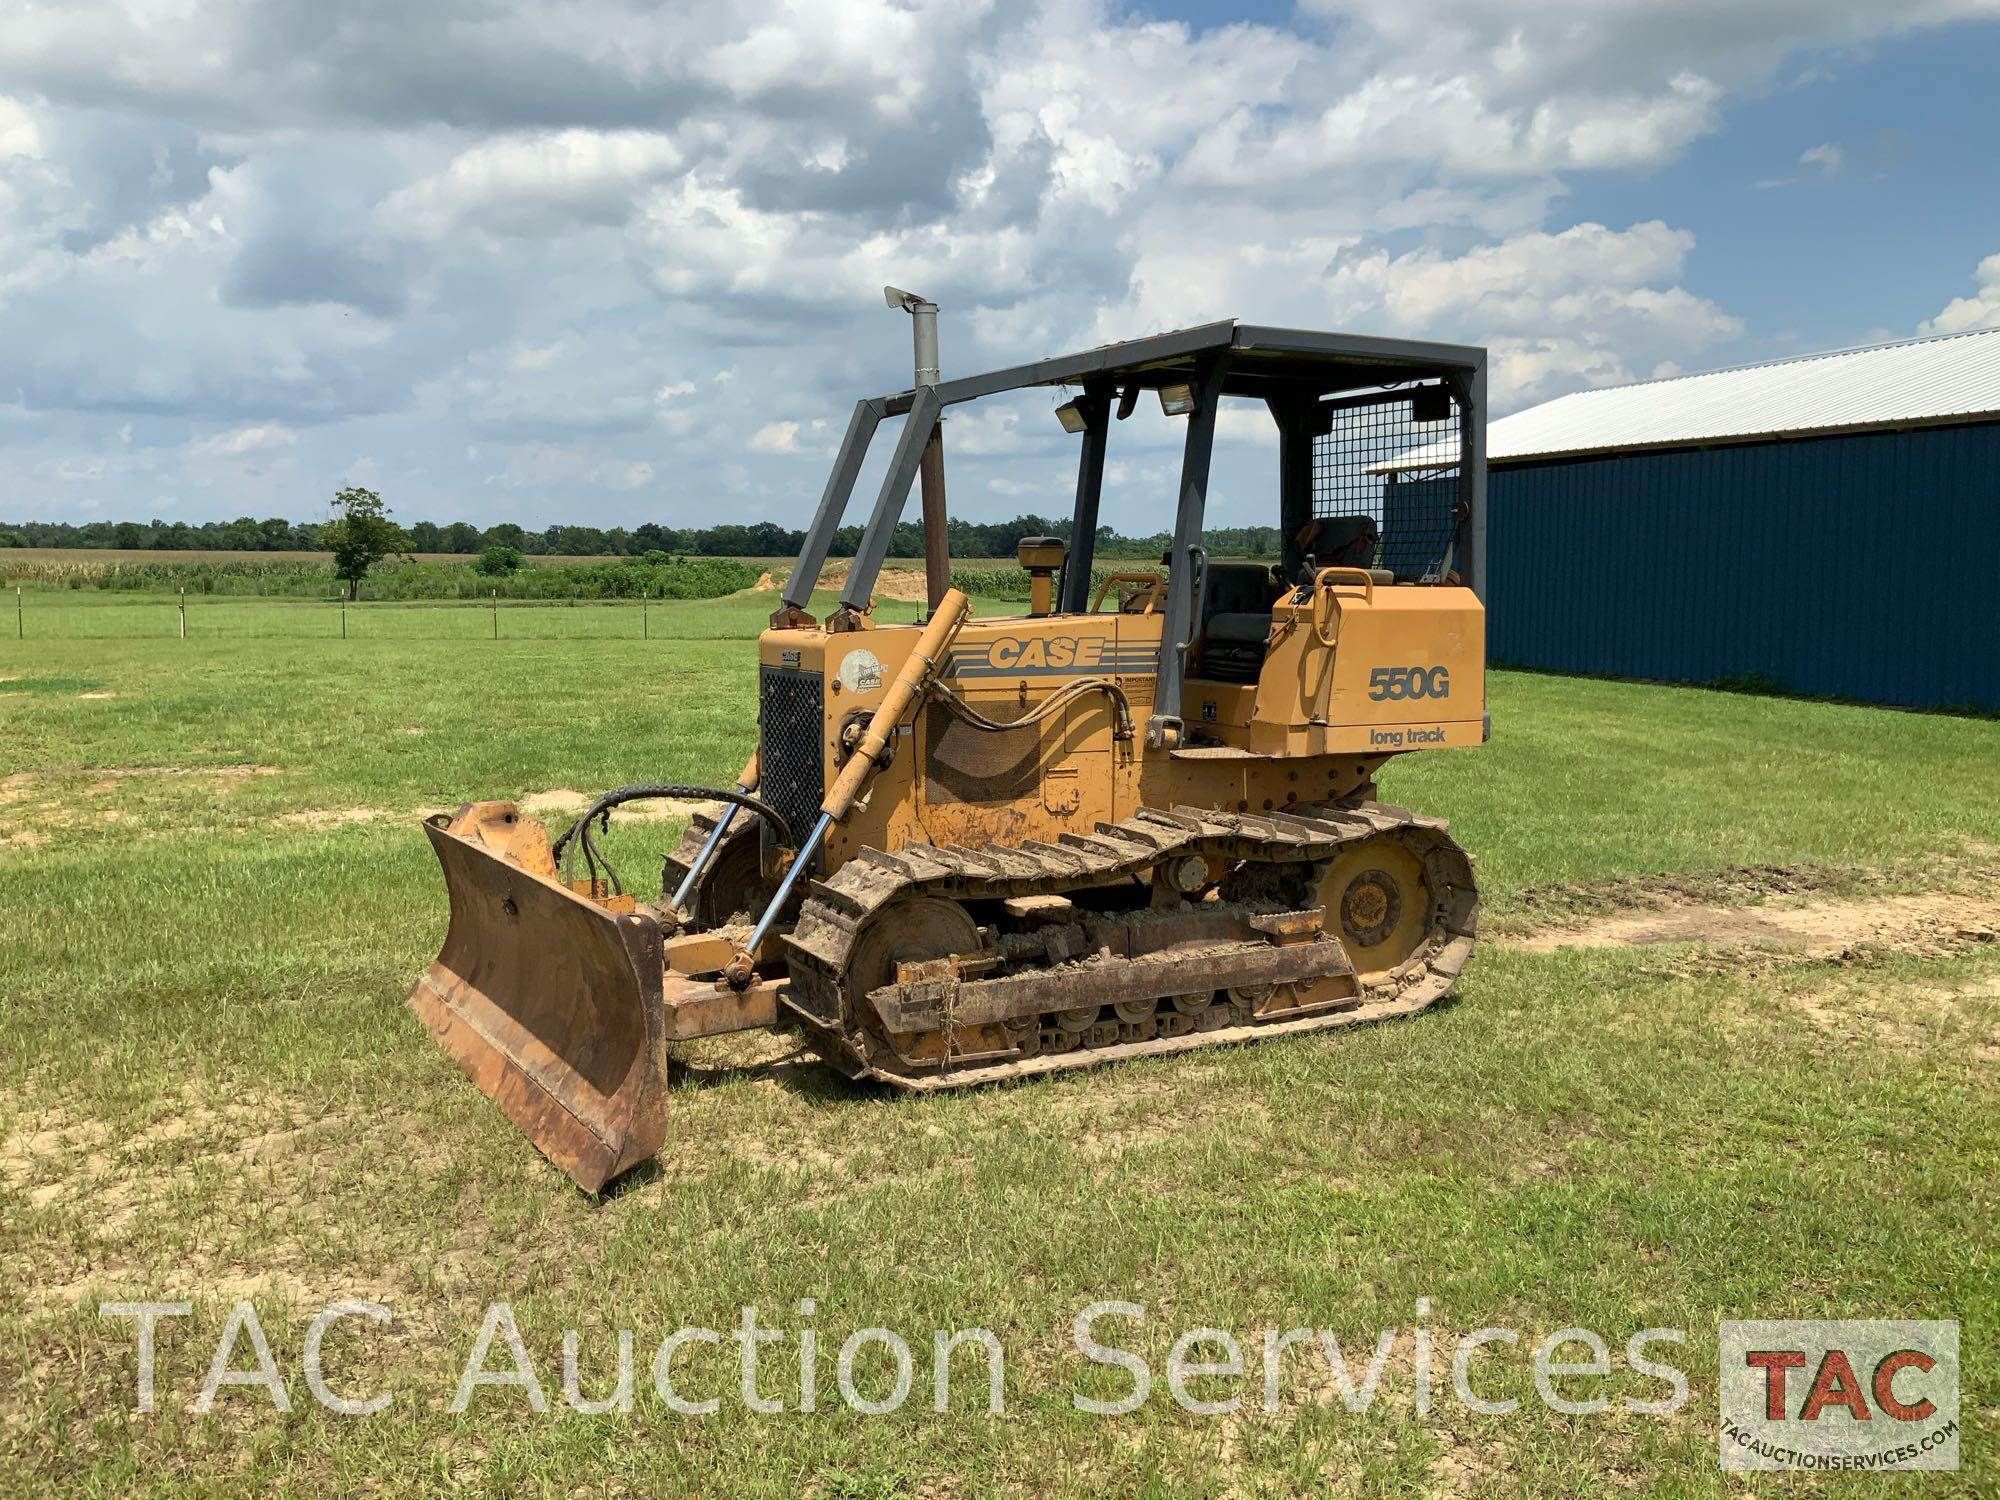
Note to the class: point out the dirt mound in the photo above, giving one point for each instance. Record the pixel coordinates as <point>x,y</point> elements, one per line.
<point>1936,923</point>
<point>901,583</point>
<point>906,584</point>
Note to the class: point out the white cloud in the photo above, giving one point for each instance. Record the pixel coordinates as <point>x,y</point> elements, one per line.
<point>1980,310</point>
<point>536,466</point>
<point>1828,157</point>
<point>601,243</point>
<point>19,134</point>
<point>1586,306</point>
<point>262,438</point>
<point>532,184</point>
<point>993,428</point>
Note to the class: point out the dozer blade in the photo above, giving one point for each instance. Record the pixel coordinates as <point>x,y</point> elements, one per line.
<point>551,1004</point>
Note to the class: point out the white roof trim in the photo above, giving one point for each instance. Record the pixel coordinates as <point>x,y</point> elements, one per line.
<point>1915,382</point>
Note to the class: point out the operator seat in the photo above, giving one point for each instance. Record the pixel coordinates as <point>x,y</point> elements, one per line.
<point>1235,623</point>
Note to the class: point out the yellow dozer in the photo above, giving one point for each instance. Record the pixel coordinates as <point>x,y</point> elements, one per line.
<point>1138,819</point>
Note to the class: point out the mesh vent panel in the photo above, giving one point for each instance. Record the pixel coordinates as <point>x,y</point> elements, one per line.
<point>1411,508</point>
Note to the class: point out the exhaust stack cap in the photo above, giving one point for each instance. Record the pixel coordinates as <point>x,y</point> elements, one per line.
<point>923,327</point>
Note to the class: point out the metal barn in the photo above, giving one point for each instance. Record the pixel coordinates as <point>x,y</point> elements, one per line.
<point>1824,525</point>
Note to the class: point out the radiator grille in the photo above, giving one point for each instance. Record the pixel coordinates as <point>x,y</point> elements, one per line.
<point>790,759</point>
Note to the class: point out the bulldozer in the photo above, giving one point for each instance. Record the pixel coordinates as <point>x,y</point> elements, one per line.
<point>1137,819</point>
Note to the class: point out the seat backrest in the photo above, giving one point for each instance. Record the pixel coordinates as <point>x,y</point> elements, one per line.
<point>1340,542</point>
<point>1236,588</point>
<point>1235,621</point>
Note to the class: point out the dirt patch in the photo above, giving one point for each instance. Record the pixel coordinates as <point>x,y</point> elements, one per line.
<point>559,802</point>
<point>1933,924</point>
<point>245,1146</point>
<point>1958,1019</point>
<point>563,802</point>
<point>88,696</point>
<point>58,799</point>
<point>341,817</point>
<point>54,1138</point>
<point>766,581</point>
<point>62,819</point>
<point>237,772</point>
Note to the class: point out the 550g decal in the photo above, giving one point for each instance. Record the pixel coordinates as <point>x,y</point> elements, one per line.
<point>1409,682</point>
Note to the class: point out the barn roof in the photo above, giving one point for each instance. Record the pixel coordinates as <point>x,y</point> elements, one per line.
<point>1913,383</point>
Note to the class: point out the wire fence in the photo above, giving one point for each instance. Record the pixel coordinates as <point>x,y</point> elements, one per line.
<point>77,615</point>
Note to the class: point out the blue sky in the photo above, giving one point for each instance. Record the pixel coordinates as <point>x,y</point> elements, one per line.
<point>618,260</point>
<point>1816,258</point>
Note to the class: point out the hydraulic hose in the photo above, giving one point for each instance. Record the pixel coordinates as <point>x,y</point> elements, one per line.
<point>670,791</point>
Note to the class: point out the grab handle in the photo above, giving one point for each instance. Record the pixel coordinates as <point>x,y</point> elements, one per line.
<point>1324,583</point>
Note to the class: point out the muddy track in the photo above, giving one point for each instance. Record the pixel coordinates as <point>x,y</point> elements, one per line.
<point>839,909</point>
<point>1720,886</point>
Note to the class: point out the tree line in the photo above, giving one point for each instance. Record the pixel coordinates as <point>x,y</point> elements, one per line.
<point>763,539</point>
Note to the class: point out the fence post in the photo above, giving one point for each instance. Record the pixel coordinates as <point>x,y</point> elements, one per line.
<point>184,614</point>
<point>645,619</point>
<point>20,621</point>
<point>343,617</point>
<point>496,614</point>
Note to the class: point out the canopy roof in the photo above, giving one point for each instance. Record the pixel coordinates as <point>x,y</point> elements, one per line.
<point>1262,361</point>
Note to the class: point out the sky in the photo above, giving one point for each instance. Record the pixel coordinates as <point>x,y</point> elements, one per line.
<point>610,261</point>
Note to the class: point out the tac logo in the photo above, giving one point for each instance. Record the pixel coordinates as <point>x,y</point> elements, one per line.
<point>1839,1395</point>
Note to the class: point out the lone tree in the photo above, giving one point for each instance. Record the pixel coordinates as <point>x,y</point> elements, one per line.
<point>497,561</point>
<point>360,536</point>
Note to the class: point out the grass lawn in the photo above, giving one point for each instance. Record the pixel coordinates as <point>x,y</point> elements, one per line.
<point>50,615</point>
<point>213,897</point>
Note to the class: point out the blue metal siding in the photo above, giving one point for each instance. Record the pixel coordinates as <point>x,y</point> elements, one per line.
<point>1860,567</point>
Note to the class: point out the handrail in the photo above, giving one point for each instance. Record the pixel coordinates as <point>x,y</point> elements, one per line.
<point>1323,585</point>
<point>1156,581</point>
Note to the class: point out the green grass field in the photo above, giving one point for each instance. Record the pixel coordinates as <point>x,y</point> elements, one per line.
<point>53,615</point>
<point>214,895</point>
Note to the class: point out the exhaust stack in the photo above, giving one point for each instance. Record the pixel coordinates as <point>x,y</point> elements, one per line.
<point>924,338</point>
